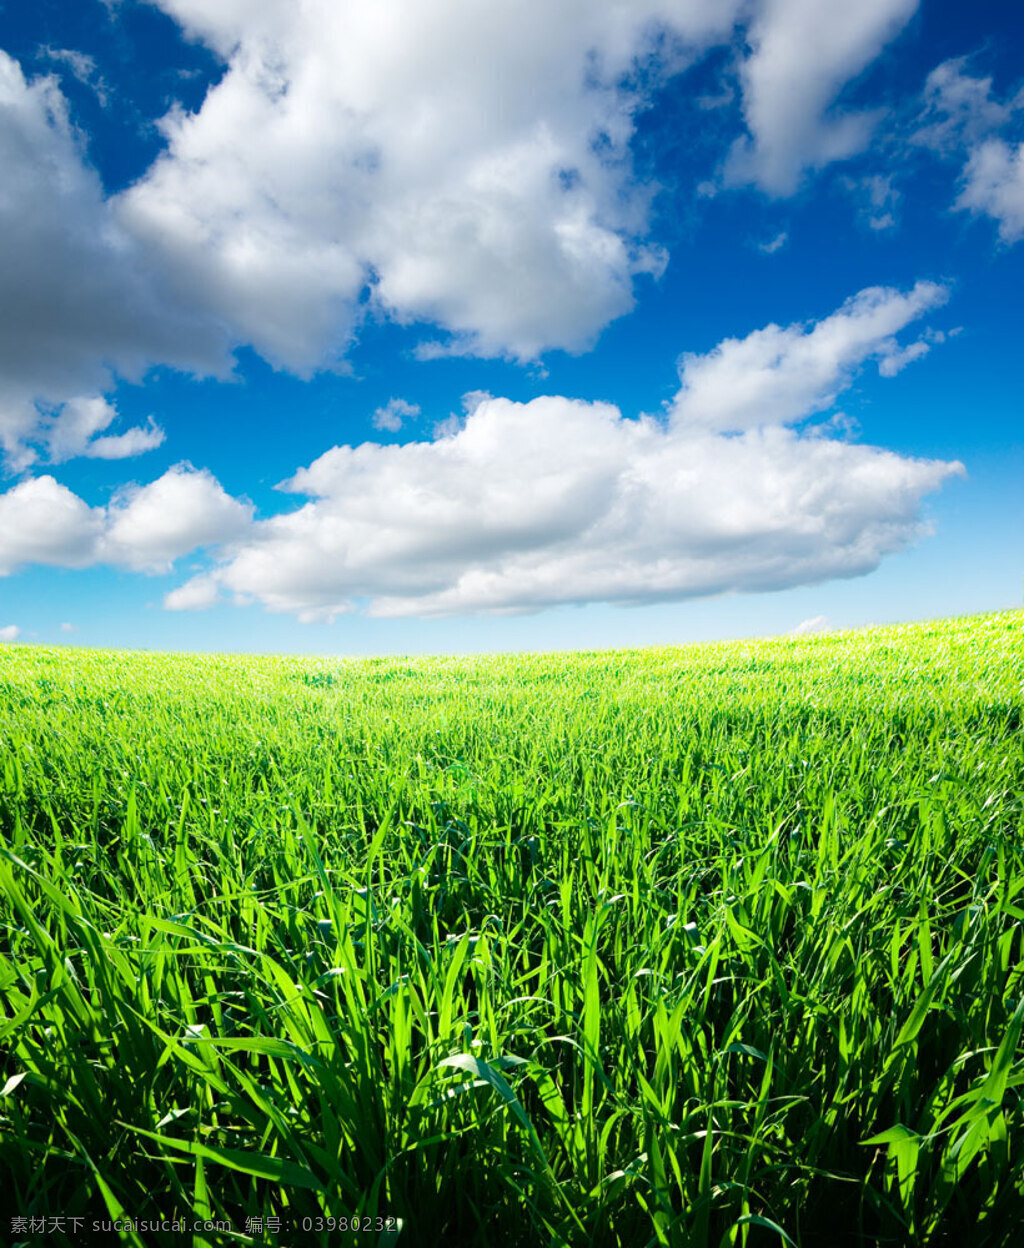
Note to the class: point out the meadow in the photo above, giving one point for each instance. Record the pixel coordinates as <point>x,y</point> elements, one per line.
<point>710,945</point>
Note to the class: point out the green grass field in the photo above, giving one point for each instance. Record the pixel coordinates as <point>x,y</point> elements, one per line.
<point>701,946</point>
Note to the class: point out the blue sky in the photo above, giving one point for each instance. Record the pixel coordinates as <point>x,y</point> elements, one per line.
<point>560,325</point>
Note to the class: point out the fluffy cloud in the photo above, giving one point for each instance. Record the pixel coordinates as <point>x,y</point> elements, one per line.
<point>9,632</point>
<point>195,595</point>
<point>145,528</point>
<point>470,162</point>
<point>525,506</point>
<point>73,431</point>
<point>465,167</point>
<point>802,53</point>
<point>42,521</point>
<point>149,526</point>
<point>134,441</point>
<point>79,300</point>
<point>777,376</point>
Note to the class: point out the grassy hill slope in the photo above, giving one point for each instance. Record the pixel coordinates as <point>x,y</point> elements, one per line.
<point>689,946</point>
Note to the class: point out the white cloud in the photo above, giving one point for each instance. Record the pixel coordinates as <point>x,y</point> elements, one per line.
<point>557,501</point>
<point>72,432</point>
<point>134,441</point>
<point>961,117</point>
<point>150,526</point>
<point>76,424</point>
<point>780,375</point>
<point>43,522</point>
<point>393,413</point>
<point>816,624</point>
<point>145,528</point>
<point>803,53</point>
<point>993,183</point>
<point>472,161</point>
<point>79,300</point>
<point>774,244</point>
<point>958,109</point>
<point>898,359</point>
<point>522,506</point>
<point>82,66</point>
<point>9,632</point>
<point>195,595</point>
<point>67,627</point>
<point>464,167</point>
<point>882,201</point>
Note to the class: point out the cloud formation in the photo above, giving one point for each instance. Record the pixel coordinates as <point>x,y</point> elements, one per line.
<point>79,300</point>
<point>144,528</point>
<point>148,527</point>
<point>993,183</point>
<point>463,167</point>
<point>470,163</point>
<point>558,501</point>
<point>478,175</point>
<point>394,413</point>
<point>75,428</point>
<point>962,117</point>
<point>774,244</point>
<point>778,376</point>
<point>519,507</point>
<point>959,109</point>
<point>802,54</point>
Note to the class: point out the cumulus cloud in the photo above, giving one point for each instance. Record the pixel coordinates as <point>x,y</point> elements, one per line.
<point>475,160</point>
<point>73,431</point>
<point>556,501</point>
<point>517,507</point>
<point>780,375</point>
<point>463,167</point>
<point>393,414</point>
<point>134,441</point>
<point>149,526</point>
<point>9,632</point>
<point>42,521</point>
<point>195,595</point>
<point>802,53</point>
<point>470,162</point>
<point>144,528</point>
<point>79,299</point>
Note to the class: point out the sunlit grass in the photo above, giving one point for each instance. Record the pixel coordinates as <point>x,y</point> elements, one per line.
<point>697,946</point>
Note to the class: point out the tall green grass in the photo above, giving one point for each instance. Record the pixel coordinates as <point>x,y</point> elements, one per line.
<point>717,945</point>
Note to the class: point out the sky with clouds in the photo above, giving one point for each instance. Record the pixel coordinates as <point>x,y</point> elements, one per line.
<point>444,325</point>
